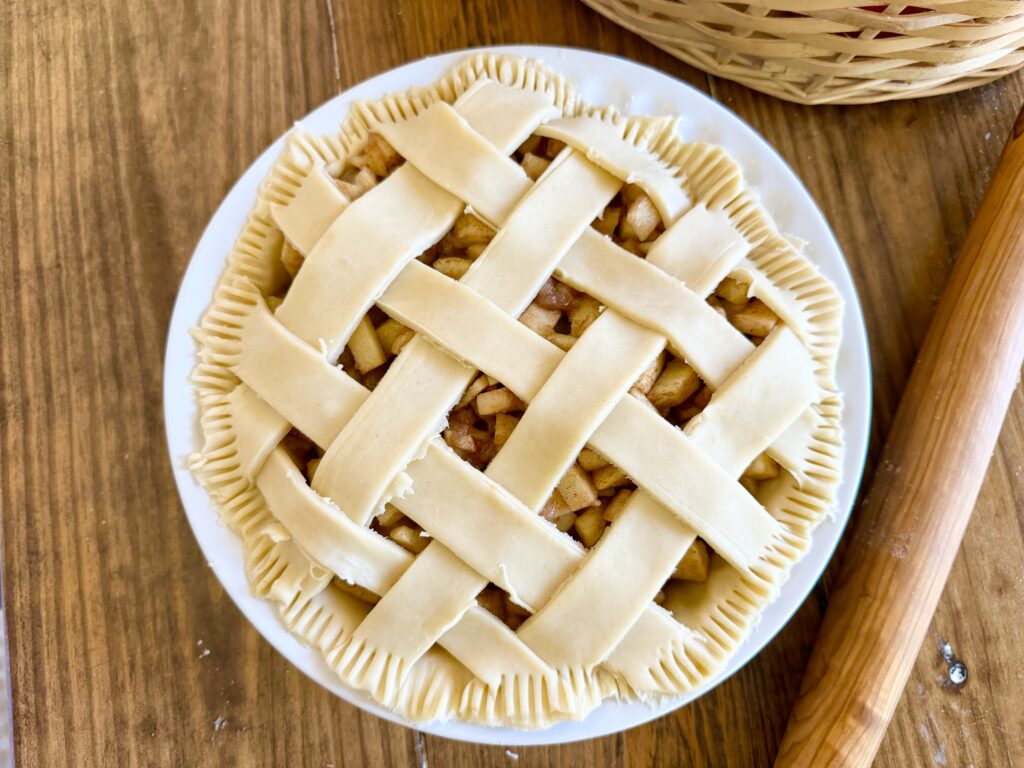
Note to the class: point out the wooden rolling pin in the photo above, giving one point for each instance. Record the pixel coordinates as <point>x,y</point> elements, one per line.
<point>909,528</point>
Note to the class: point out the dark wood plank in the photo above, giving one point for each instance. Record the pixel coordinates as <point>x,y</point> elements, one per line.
<point>123,128</point>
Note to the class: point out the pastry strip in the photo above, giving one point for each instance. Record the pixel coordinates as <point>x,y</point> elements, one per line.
<point>757,403</point>
<point>468,326</point>
<point>782,303</point>
<point>593,377</point>
<point>662,460</point>
<point>611,588</point>
<point>474,641</point>
<point>701,248</point>
<point>268,348</point>
<point>656,300</point>
<point>258,429</point>
<point>459,160</point>
<point>355,554</point>
<point>604,145</point>
<point>408,620</point>
<point>317,203</point>
<point>362,474</point>
<point>505,116</point>
<point>360,253</point>
<point>488,528</point>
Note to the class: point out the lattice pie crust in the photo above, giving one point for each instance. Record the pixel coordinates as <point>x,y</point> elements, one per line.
<point>426,551</point>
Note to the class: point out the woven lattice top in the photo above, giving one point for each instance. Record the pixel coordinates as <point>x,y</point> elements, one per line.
<point>406,619</point>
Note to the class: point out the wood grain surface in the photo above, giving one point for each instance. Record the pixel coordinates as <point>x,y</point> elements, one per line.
<point>122,125</point>
<point>909,527</point>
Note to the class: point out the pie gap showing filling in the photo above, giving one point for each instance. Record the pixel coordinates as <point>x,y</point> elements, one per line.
<point>592,493</point>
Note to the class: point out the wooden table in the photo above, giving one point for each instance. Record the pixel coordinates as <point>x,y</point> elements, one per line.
<point>120,131</point>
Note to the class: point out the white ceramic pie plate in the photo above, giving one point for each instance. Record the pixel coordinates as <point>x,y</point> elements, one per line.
<point>602,79</point>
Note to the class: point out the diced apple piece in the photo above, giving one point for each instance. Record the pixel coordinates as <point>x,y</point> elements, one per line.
<point>390,516</point>
<point>630,192</point>
<point>540,320</point>
<point>458,436</point>
<point>453,266</point>
<point>609,477</point>
<point>608,220</point>
<point>676,384</point>
<point>479,385</point>
<point>469,230</point>
<point>641,219</point>
<point>650,375</point>
<point>565,522</point>
<point>589,526</point>
<point>591,460</point>
<point>534,165</point>
<point>409,538</point>
<point>378,155</point>
<point>614,507</point>
<point>694,564</point>
<point>577,489</point>
<point>562,340</point>
<point>555,295</point>
<point>291,258</point>
<point>531,145</point>
<point>497,401</point>
<point>733,291</point>
<point>390,332</point>
<point>755,319</point>
<point>503,425</point>
<point>702,398</point>
<point>552,147</point>
<point>763,467</point>
<point>585,311</point>
<point>354,186</point>
<point>365,347</point>
<point>555,507</point>
<point>401,340</point>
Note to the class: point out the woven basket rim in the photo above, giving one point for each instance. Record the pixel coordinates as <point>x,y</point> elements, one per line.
<point>828,52</point>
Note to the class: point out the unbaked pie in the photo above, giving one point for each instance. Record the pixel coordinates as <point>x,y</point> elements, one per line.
<point>516,403</point>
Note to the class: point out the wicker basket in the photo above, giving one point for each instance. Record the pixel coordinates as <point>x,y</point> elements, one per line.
<point>824,51</point>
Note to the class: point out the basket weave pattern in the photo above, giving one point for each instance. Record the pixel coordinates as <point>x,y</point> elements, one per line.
<point>824,51</point>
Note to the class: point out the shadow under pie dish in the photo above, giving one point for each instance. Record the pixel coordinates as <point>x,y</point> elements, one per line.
<point>516,403</point>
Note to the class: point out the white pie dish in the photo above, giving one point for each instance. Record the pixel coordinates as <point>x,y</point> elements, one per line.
<point>601,79</point>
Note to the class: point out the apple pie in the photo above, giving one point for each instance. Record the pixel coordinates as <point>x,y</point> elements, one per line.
<point>516,403</point>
